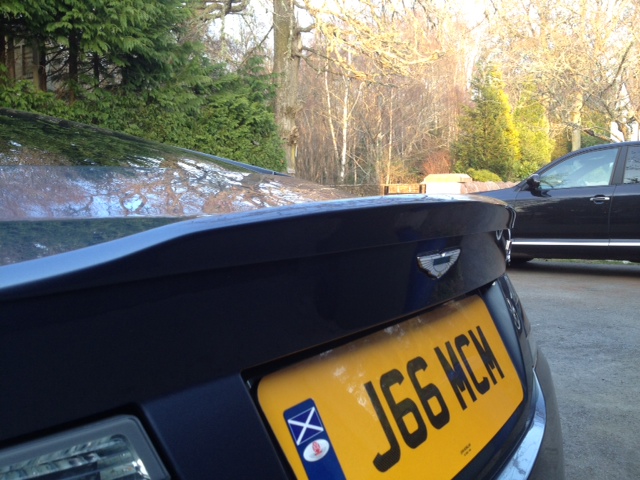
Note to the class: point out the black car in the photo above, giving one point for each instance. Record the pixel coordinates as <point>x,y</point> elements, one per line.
<point>583,205</point>
<point>169,314</point>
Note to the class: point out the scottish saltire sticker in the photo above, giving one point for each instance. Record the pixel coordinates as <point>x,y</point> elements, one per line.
<point>312,442</point>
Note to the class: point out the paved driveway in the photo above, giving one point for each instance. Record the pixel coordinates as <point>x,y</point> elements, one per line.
<point>586,318</point>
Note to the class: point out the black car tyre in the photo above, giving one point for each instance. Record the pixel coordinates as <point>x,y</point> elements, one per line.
<point>517,261</point>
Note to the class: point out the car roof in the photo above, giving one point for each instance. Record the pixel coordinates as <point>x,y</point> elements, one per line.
<point>600,146</point>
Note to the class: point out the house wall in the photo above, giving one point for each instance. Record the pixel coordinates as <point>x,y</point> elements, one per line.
<point>23,54</point>
<point>24,62</point>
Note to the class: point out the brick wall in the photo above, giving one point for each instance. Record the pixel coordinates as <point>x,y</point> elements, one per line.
<point>472,187</point>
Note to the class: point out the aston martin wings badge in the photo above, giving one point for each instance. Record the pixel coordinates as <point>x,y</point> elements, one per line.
<point>439,263</point>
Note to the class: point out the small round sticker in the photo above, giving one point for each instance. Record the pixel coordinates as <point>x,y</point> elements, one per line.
<point>316,450</point>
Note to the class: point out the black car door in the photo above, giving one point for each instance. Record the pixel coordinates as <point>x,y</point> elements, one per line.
<point>568,215</point>
<point>625,210</point>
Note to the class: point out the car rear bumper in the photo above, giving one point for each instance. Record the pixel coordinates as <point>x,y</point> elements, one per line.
<point>539,454</point>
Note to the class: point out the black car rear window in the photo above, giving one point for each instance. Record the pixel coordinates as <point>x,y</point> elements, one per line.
<point>64,186</point>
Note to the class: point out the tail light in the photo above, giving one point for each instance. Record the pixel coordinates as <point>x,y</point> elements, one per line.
<point>117,448</point>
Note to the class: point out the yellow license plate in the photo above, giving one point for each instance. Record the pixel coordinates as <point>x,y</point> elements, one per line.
<point>417,400</point>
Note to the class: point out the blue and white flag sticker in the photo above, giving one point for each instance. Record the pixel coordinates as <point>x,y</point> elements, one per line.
<point>312,441</point>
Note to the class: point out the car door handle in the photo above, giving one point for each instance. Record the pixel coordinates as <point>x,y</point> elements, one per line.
<point>598,199</point>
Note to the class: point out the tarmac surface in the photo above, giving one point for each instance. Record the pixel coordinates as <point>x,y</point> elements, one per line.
<point>586,319</point>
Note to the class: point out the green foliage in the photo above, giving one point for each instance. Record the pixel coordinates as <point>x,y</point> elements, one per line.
<point>563,144</point>
<point>26,18</point>
<point>230,118</point>
<point>23,95</point>
<point>536,145</point>
<point>129,66</point>
<point>590,141</point>
<point>105,41</point>
<point>598,124</point>
<point>489,139</point>
<point>155,51</point>
<point>483,175</point>
<point>591,120</point>
<point>239,122</point>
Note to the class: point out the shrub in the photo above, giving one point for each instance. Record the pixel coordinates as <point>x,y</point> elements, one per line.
<point>483,175</point>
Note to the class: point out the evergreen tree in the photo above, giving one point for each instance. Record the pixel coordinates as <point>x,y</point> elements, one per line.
<point>128,65</point>
<point>488,138</point>
<point>132,43</point>
<point>536,145</point>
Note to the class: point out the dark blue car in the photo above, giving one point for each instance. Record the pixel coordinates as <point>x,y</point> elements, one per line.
<point>169,314</point>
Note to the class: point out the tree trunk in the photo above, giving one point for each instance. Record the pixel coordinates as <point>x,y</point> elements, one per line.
<point>576,122</point>
<point>390,145</point>
<point>74,52</point>
<point>95,60</point>
<point>332,128</point>
<point>623,127</point>
<point>287,43</point>
<point>3,44</point>
<point>42,66</point>
<point>345,131</point>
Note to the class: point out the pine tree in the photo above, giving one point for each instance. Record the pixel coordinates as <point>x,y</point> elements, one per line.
<point>489,139</point>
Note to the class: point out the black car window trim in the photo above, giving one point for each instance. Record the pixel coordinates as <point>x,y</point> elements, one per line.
<point>618,172</point>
